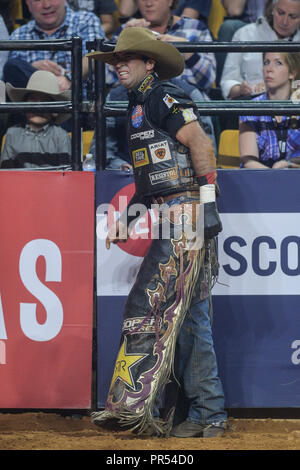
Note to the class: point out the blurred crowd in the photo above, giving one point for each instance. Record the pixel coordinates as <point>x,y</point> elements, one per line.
<point>36,75</point>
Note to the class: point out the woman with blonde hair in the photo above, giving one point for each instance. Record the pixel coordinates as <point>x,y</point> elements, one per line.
<point>273,141</point>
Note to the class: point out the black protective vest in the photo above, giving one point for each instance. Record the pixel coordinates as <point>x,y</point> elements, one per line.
<point>161,164</point>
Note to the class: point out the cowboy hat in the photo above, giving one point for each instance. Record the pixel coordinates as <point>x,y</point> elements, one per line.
<point>43,82</point>
<point>169,61</point>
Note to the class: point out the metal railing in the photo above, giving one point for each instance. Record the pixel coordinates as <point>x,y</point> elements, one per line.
<point>236,107</point>
<point>102,108</point>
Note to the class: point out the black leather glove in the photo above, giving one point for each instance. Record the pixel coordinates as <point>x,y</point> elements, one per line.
<point>212,221</point>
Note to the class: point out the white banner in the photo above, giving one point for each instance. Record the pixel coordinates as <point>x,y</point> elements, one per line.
<point>259,254</point>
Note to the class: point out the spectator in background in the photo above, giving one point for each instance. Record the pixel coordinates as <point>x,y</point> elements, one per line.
<point>199,72</point>
<point>238,14</point>
<point>198,9</point>
<point>6,13</point>
<point>242,74</point>
<point>40,142</point>
<point>4,36</point>
<point>246,11</point>
<point>270,142</point>
<point>53,19</point>
<point>102,8</point>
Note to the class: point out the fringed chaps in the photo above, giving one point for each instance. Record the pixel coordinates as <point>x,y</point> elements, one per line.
<point>154,312</point>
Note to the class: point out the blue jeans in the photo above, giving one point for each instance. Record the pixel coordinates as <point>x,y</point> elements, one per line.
<point>196,367</point>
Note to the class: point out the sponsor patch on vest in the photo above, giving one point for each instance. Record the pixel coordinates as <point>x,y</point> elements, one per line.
<point>189,115</point>
<point>165,175</point>
<point>146,84</point>
<point>160,151</point>
<point>169,101</point>
<point>140,157</point>
<point>137,116</point>
<point>142,135</point>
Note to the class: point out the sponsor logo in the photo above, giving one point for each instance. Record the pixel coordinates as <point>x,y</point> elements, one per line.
<point>259,254</point>
<point>137,116</point>
<point>169,101</point>
<point>160,176</point>
<point>295,358</point>
<point>124,362</point>
<point>160,151</point>
<point>140,157</point>
<point>146,84</point>
<point>140,325</point>
<point>143,135</point>
<point>188,115</point>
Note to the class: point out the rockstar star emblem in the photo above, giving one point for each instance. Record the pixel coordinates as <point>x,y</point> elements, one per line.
<point>124,363</point>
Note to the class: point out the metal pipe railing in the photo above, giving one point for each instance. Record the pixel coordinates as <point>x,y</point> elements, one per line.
<point>100,123</point>
<point>238,107</point>
<point>76,102</point>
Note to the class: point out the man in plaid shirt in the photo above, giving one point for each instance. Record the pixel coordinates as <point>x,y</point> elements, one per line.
<point>52,19</point>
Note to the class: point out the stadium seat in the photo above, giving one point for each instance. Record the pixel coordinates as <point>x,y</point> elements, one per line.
<point>87,137</point>
<point>2,143</point>
<point>216,17</point>
<point>17,12</point>
<point>229,152</point>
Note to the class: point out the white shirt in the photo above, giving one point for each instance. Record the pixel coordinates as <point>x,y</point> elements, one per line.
<point>248,66</point>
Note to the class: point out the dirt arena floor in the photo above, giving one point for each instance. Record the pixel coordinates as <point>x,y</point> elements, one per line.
<point>54,431</point>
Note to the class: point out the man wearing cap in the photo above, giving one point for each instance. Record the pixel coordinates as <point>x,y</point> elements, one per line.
<point>173,164</point>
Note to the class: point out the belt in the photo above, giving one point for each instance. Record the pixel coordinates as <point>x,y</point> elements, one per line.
<point>168,197</point>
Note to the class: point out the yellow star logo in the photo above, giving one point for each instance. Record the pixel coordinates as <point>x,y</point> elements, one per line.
<point>123,365</point>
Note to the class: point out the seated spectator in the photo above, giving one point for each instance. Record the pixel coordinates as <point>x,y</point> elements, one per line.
<point>4,36</point>
<point>102,8</point>
<point>242,73</point>
<point>113,160</point>
<point>238,14</point>
<point>199,73</point>
<point>40,142</point>
<point>7,14</point>
<point>273,141</point>
<point>117,155</point>
<point>198,9</point>
<point>53,19</point>
<point>245,11</point>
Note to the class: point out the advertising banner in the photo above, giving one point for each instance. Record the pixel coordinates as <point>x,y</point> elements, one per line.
<point>256,300</point>
<point>46,289</point>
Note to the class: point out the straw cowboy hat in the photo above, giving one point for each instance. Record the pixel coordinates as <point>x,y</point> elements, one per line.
<point>169,61</point>
<point>45,83</point>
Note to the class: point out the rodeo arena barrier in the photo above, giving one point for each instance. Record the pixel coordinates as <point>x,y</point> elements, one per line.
<point>62,293</point>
